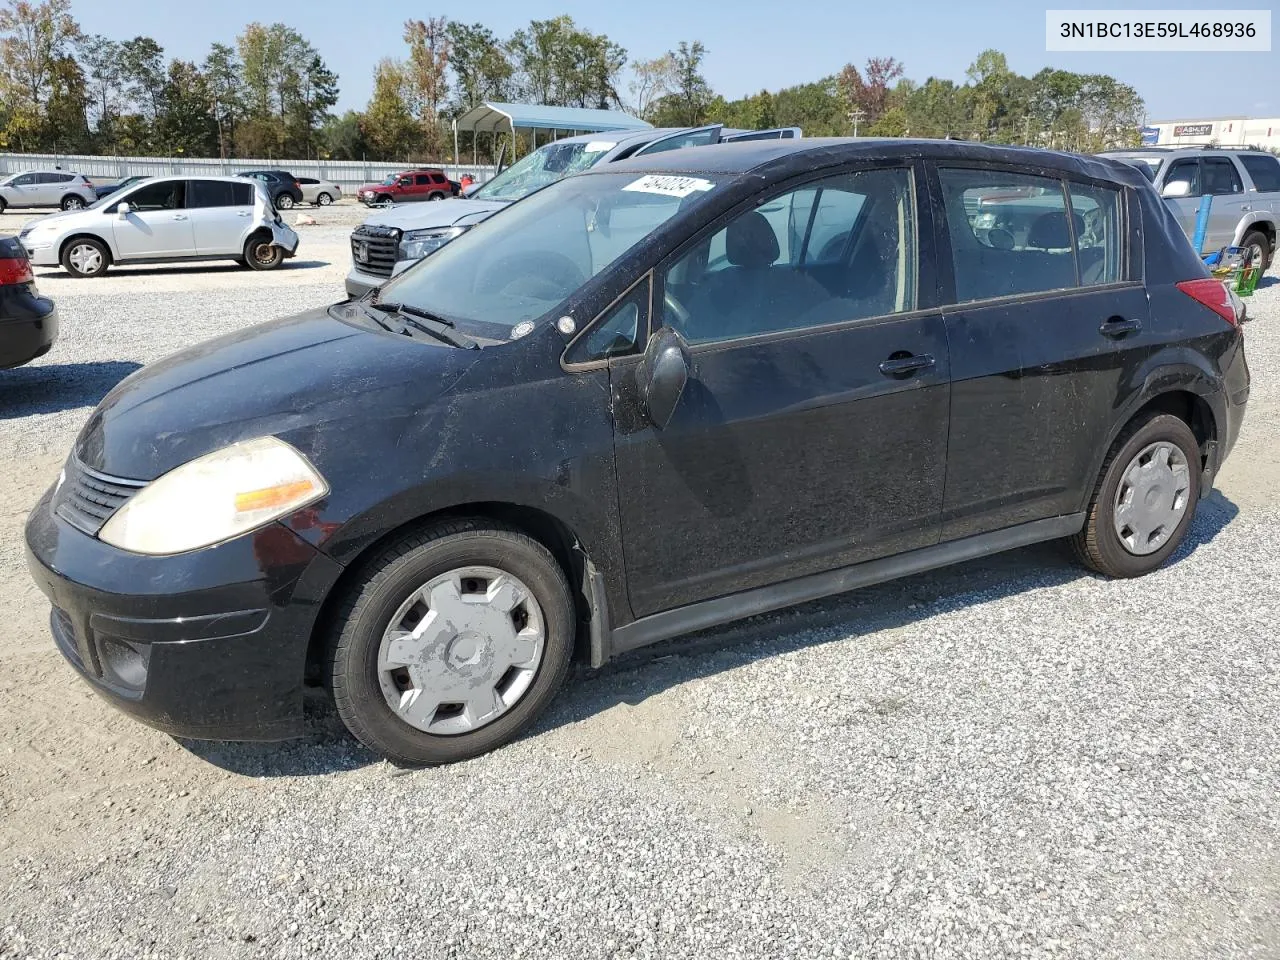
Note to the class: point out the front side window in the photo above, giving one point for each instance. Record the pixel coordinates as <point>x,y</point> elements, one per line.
<point>545,165</point>
<point>1187,171</point>
<point>25,180</point>
<point>838,249</point>
<point>1219,177</point>
<point>539,252</point>
<point>165,195</point>
<point>618,333</point>
<point>1264,170</point>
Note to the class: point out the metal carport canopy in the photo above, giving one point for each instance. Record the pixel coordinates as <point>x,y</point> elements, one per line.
<point>491,117</point>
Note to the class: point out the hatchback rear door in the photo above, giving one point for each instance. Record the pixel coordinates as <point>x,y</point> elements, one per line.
<point>1047,320</point>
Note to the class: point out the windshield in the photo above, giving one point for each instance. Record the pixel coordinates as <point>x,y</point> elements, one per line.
<point>545,165</point>
<point>521,263</point>
<point>390,181</point>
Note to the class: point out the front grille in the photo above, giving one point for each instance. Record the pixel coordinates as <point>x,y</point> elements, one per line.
<point>87,499</point>
<point>374,249</point>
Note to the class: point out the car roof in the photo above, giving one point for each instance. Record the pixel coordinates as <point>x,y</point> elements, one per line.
<point>786,157</point>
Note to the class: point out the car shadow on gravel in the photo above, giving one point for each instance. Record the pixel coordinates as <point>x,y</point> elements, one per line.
<point>50,387</point>
<point>327,748</point>
<point>203,269</point>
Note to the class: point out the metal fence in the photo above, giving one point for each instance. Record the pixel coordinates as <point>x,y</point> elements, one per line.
<point>348,174</point>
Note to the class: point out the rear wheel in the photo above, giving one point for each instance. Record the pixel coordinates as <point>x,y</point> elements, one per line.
<point>261,254</point>
<point>1257,242</point>
<point>2,204</point>
<point>284,202</point>
<point>1144,500</point>
<point>86,257</point>
<point>451,644</point>
<point>324,200</point>
<point>72,202</point>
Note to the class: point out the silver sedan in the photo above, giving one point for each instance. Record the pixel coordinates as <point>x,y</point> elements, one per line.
<point>319,192</point>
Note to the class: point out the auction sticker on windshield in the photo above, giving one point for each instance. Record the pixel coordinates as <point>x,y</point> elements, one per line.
<point>669,186</point>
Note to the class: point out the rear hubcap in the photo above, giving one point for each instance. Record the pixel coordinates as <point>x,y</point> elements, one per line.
<point>462,650</point>
<point>1152,498</point>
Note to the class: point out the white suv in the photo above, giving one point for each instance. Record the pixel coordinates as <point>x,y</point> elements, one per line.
<point>46,188</point>
<point>165,220</point>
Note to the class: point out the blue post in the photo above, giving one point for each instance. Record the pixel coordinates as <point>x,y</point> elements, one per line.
<point>1202,224</point>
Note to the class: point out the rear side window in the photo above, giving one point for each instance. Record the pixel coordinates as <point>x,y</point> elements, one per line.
<point>423,180</point>
<point>213,193</point>
<point>1218,176</point>
<point>242,194</point>
<point>437,178</point>
<point>1265,172</point>
<point>1014,233</point>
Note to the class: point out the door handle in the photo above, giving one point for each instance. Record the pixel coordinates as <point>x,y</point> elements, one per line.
<point>1117,327</point>
<point>904,366</point>
<point>1246,208</point>
<point>242,213</point>
<point>179,216</point>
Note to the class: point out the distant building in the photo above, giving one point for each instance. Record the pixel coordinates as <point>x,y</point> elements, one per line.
<point>1225,131</point>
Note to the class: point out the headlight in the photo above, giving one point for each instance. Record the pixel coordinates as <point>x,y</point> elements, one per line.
<point>417,244</point>
<point>215,497</point>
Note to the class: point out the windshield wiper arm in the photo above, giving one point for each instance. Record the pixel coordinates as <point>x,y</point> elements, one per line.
<point>444,332</point>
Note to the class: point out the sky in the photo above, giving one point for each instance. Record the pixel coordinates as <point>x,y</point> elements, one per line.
<point>752,44</point>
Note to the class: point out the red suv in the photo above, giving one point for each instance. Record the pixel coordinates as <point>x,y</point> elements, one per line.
<point>425,183</point>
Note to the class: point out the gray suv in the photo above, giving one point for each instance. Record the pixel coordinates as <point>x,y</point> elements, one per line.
<point>1244,184</point>
<point>46,188</point>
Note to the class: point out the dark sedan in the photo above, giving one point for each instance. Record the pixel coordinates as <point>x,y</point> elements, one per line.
<point>109,188</point>
<point>648,399</point>
<point>28,321</point>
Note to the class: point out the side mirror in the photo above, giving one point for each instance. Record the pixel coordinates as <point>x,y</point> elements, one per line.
<point>122,209</point>
<point>1176,188</point>
<point>662,375</point>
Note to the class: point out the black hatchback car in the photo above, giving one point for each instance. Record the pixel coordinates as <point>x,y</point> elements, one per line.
<point>683,390</point>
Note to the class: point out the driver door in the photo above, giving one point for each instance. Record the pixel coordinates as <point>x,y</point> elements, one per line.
<point>812,432</point>
<point>157,224</point>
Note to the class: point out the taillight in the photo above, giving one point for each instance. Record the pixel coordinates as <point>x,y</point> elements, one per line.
<point>16,271</point>
<point>1212,294</point>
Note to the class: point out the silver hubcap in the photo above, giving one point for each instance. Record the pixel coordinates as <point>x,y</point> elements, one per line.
<point>73,203</point>
<point>286,202</point>
<point>462,650</point>
<point>85,259</point>
<point>1152,498</point>
<point>325,199</point>
<point>1256,254</point>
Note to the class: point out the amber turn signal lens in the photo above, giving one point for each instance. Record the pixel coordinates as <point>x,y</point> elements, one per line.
<point>270,497</point>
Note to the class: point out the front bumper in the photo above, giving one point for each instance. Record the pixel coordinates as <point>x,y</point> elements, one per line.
<point>209,644</point>
<point>28,326</point>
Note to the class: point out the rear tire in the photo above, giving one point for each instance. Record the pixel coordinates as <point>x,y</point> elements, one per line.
<point>2,204</point>
<point>284,202</point>
<point>1164,503</point>
<point>324,200</point>
<point>262,254</point>
<point>1258,240</point>
<point>461,660</point>
<point>73,202</point>
<point>86,257</point>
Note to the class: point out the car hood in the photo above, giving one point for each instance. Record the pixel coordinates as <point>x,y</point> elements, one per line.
<point>441,213</point>
<point>312,380</point>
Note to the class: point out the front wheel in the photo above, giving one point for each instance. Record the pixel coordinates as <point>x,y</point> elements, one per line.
<point>452,643</point>
<point>1144,500</point>
<point>86,257</point>
<point>262,254</point>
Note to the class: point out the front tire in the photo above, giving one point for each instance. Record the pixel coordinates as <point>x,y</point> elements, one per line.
<point>262,254</point>
<point>86,257</point>
<point>1144,500</point>
<point>452,643</point>
<point>1262,249</point>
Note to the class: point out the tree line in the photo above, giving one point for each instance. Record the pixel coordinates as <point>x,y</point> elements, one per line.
<point>268,93</point>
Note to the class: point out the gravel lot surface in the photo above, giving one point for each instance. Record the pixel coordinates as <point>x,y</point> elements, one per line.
<point>1006,758</point>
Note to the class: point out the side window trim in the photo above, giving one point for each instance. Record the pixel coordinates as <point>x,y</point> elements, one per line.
<point>644,328</point>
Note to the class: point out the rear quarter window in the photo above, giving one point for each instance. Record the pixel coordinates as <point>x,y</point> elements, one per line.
<point>1264,171</point>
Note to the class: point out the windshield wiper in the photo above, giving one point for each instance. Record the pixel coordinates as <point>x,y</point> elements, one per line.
<point>439,327</point>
